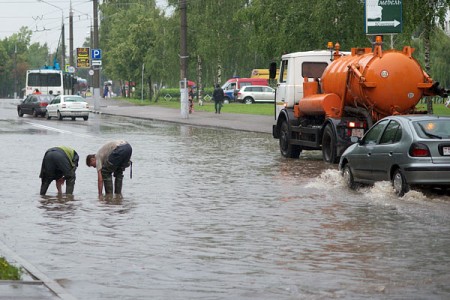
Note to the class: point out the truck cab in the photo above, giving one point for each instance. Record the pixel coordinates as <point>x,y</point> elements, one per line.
<point>294,67</point>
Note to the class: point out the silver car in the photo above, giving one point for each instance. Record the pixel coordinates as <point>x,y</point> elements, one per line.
<point>68,106</point>
<point>411,150</point>
<point>256,93</point>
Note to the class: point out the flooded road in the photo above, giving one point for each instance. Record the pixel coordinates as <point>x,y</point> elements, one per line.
<point>215,214</point>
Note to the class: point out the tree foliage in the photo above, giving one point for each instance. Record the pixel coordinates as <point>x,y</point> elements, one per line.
<point>230,36</point>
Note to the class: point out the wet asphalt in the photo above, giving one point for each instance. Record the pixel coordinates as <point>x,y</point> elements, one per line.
<point>45,288</point>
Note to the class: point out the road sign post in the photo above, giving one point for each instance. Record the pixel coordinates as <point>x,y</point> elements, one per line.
<point>383,16</point>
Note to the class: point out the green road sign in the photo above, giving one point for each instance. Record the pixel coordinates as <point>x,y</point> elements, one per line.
<point>383,16</point>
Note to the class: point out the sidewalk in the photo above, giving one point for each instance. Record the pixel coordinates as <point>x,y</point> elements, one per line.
<point>253,123</point>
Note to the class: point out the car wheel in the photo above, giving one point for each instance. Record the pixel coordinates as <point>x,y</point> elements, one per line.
<point>399,183</point>
<point>60,117</point>
<point>73,118</point>
<point>47,116</point>
<point>248,100</point>
<point>329,145</point>
<point>348,177</point>
<point>86,118</point>
<point>19,112</point>
<point>34,113</point>
<point>286,148</point>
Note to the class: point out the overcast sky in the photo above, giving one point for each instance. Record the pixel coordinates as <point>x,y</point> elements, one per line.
<point>44,17</point>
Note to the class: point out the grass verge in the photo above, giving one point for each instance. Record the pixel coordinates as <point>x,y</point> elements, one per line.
<point>266,109</point>
<point>8,271</point>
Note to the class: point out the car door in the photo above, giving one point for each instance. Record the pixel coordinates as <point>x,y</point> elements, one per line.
<point>257,93</point>
<point>386,152</point>
<point>26,105</point>
<point>34,104</point>
<point>360,158</point>
<point>268,94</point>
<point>52,108</point>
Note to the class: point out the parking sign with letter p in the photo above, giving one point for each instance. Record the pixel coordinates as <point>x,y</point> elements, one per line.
<point>96,54</point>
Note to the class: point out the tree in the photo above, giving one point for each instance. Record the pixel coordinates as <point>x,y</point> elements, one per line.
<point>428,18</point>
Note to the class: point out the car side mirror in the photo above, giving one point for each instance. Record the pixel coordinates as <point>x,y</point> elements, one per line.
<point>273,70</point>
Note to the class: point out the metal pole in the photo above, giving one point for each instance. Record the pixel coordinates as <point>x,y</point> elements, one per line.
<point>71,35</point>
<point>142,83</point>
<point>63,45</point>
<point>96,82</point>
<point>15,71</point>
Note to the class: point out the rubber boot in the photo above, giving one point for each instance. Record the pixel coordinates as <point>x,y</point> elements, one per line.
<point>70,185</point>
<point>108,185</point>
<point>118,185</point>
<point>44,186</point>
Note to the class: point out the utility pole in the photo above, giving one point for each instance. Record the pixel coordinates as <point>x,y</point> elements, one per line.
<point>63,37</point>
<point>15,71</point>
<point>183,40</point>
<point>183,61</point>
<point>71,63</point>
<point>63,50</point>
<point>96,77</point>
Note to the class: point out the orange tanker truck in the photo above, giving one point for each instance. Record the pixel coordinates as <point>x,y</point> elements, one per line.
<point>325,97</point>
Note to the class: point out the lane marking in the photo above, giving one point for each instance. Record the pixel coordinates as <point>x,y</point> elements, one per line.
<point>58,130</point>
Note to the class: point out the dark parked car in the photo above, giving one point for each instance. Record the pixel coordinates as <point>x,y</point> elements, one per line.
<point>35,104</point>
<point>412,150</point>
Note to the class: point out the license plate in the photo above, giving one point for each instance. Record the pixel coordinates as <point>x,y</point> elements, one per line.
<point>446,150</point>
<point>358,132</point>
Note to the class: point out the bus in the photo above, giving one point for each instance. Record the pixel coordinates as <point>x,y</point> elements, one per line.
<point>49,80</point>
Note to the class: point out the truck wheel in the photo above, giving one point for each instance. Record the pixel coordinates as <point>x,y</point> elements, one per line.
<point>286,148</point>
<point>329,145</point>
<point>399,183</point>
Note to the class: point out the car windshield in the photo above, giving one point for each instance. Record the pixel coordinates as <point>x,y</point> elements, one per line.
<point>433,129</point>
<point>73,99</point>
<point>45,98</point>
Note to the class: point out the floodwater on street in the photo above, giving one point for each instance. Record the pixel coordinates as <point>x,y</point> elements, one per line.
<point>214,214</point>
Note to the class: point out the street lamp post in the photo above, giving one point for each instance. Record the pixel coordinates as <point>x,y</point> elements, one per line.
<point>63,45</point>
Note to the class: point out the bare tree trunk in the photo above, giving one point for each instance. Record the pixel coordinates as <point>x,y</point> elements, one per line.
<point>219,71</point>
<point>427,49</point>
<point>429,23</point>
<point>199,81</point>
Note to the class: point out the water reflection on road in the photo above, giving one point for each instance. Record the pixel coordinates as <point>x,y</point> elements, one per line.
<point>216,214</point>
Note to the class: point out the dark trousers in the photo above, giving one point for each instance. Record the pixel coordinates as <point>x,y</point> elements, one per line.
<point>56,165</point>
<point>117,162</point>
<point>218,106</point>
<point>70,185</point>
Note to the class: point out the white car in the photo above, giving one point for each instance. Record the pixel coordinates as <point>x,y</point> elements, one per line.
<point>68,106</point>
<point>256,93</point>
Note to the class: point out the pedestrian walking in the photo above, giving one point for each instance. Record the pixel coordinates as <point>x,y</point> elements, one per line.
<point>59,164</point>
<point>111,159</point>
<point>218,96</point>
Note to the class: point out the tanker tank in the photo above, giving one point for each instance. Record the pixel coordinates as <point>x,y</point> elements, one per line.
<point>381,82</point>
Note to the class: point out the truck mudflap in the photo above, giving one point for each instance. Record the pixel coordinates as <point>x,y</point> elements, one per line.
<point>275,132</point>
